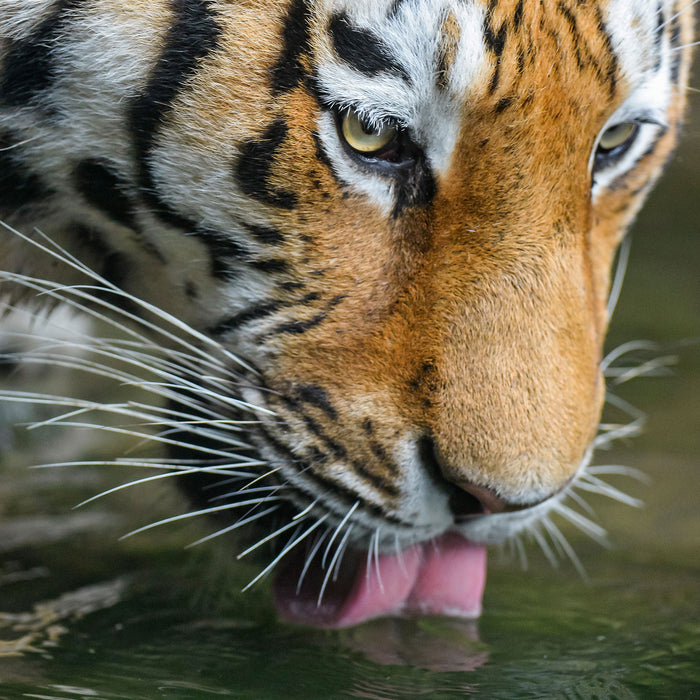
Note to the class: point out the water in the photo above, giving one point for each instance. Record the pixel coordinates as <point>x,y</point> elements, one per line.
<point>84,615</point>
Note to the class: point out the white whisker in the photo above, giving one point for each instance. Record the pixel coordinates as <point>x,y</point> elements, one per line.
<point>522,554</point>
<point>592,484</point>
<point>338,529</point>
<point>561,542</point>
<point>331,567</point>
<point>623,256</point>
<point>376,558</point>
<point>65,257</point>
<point>535,531</point>
<point>621,470</point>
<point>246,520</point>
<point>192,514</point>
<point>135,482</point>
<point>310,557</point>
<point>587,526</point>
<point>677,15</point>
<point>295,541</point>
<point>267,538</point>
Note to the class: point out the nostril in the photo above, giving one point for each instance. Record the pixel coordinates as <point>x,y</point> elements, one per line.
<point>487,497</point>
<point>463,504</point>
<point>466,499</point>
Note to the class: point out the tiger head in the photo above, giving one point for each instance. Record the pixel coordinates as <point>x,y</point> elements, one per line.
<point>448,183</point>
<point>402,217</point>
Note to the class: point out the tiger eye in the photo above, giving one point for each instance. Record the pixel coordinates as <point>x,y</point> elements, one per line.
<point>617,135</point>
<point>363,137</point>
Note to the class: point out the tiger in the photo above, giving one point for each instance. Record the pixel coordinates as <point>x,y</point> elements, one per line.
<point>375,240</point>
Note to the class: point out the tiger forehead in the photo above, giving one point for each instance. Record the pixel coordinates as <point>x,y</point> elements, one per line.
<point>421,41</point>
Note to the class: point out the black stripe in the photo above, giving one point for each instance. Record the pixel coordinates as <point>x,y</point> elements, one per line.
<point>254,165</point>
<point>316,396</point>
<point>322,157</point>
<point>256,313</point>
<point>659,36</point>
<point>105,191</point>
<point>518,15</point>
<point>417,186</point>
<point>503,104</point>
<point>113,265</point>
<point>273,265</point>
<point>264,234</point>
<point>325,485</point>
<point>575,34</point>
<point>340,451</point>
<point>395,8</point>
<point>235,322</point>
<point>193,35</point>
<point>288,73</point>
<point>30,68</point>
<point>19,186</point>
<point>675,40</point>
<point>361,49</point>
<point>495,41</point>
<point>298,327</point>
<point>223,250</point>
<point>613,67</point>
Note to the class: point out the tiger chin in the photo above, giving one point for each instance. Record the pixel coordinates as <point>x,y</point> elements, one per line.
<point>380,236</point>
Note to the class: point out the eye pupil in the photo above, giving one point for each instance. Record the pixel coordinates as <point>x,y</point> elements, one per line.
<point>365,138</point>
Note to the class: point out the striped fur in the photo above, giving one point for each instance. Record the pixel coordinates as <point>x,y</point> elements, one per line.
<point>426,332</point>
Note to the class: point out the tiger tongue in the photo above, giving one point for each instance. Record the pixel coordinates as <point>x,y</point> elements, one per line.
<point>445,576</point>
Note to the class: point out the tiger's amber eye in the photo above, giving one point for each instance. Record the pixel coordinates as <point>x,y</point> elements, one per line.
<point>617,135</point>
<point>364,138</point>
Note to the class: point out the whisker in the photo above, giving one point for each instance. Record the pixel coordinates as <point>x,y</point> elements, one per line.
<point>192,514</point>
<point>623,256</point>
<point>62,255</point>
<point>230,528</point>
<point>522,554</point>
<point>267,538</point>
<point>676,49</point>
<point>579,500</point>
<point>676,15</point>
<point>310,557</point>
<point>561,541</point>
<point>336,558</point>
<point>338,529</point>
<point>285,551</point>
<point>592,484</point>
<point>585,525</point>
<point>535,531</point>
<point>618,469</point>
<point>135,482</point>
<point>630,346</point>
<point>376,558</point>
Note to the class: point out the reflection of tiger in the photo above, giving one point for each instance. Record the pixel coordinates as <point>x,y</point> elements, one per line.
<point>401,217</point>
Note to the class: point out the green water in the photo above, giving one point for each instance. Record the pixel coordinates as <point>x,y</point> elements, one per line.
<point>84,615</point>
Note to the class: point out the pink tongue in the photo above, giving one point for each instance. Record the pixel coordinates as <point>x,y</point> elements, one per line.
<point>443,577</point>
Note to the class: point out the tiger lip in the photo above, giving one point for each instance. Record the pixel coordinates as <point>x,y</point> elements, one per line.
<point>444,576</point>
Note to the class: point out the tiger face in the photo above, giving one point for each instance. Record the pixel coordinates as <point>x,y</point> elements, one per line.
<point>401,217</point>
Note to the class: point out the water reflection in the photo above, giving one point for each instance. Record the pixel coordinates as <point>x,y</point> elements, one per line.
<point>433,644</point>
